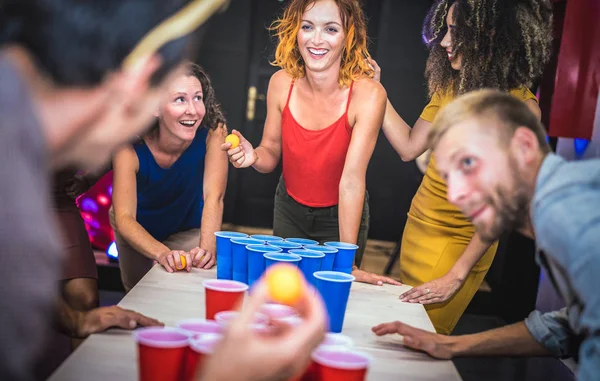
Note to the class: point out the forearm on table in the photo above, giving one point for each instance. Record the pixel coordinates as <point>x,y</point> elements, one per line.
<point>212,219</point>
<point>139,238</point>
<point>351,203</point>
<point>510,340</point>
<point>474,251</point>
<point>266,159</point>
<point>68,320</point>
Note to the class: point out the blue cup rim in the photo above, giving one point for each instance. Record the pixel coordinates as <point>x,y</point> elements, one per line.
<point>321,248</point>
<point>281,257</point>
<point>228,234</point>
<point>311,253</point>
<point>261,248</point>
<point>323,275</point>
<point>302,241</point>
<point>282,244</point>
<point>267,237</point>
<point>341,245</point>
<point>244,241</point>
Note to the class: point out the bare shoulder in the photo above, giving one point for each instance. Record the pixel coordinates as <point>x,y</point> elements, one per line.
<point>367,88</point>
<point>280,81</point>
<point>126,158</point>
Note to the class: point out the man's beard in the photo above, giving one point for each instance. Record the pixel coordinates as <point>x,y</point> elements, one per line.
<point>511,210</point>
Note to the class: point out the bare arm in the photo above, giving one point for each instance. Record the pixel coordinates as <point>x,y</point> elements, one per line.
<point>369,103</point>
<point>510,340</point>
<point>215,182</point>
<point>125,166</point>
<point>408,143</point>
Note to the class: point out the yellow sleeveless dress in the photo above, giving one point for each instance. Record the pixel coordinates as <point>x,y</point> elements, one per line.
<point>437,233</point>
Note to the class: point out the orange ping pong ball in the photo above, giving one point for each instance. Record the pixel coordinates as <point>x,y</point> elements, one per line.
<point>285,283</point>
<point>183,262</point>
<point>233,139</point>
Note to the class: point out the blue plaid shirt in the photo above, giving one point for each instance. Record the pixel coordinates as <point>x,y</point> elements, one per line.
<point>565,213</point>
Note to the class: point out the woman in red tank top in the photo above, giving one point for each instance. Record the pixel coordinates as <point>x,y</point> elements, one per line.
<point>324,113</point>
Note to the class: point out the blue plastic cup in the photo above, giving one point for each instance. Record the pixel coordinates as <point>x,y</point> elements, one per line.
<point>302,241</point>
<point>285,246</point>
<point>310,263</point>
<point>344,259</point>
<point>330,253</point>
<point>273,258</point>
<point>334,288</point>
<point>266,237</point>
<point>240,257</point>
<point>224,256</point>
<point>256,260</point>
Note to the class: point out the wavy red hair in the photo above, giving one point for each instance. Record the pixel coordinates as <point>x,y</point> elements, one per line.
<point>353,65</point>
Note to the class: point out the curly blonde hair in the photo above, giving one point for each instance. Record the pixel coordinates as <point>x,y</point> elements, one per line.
<point>354,64</point>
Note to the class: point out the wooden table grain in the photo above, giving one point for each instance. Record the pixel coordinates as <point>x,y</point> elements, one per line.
<point>112,355</point>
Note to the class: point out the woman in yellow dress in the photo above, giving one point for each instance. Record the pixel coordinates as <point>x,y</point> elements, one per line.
<point>473,44</point>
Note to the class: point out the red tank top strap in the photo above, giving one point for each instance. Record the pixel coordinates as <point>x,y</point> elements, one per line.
<point>289,93</point>
<point>349,96</point>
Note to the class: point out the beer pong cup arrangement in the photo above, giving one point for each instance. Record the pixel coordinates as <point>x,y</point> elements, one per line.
<point>225,317</point>
<point>198,351</point>
<point>334,288</point>
<point>242,258</point>
<point>198,327</point>
<point>161,353</point>
<point>344,258</point>
<point>223,295</point>
<point>273,258</point>
<point>328,259</point>
<point>224,256</point>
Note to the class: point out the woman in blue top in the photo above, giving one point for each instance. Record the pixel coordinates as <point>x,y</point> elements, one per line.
<point>168,188</point>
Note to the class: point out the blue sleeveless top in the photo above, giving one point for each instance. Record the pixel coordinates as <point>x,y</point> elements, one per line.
<point>171,200</point>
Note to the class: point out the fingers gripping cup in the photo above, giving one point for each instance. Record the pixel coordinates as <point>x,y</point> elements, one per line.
<point>334,288</point>
<point>344,259</point>
<point>256,260</point>
<point>240,257</point>
<point>310,263</point>
<point>273,258</point>
<point>224,256</point>
<point>223,295</point>
<point>328,259</point>
<point>161,353</point>
<point>197,353</point>
<point>336,363</point>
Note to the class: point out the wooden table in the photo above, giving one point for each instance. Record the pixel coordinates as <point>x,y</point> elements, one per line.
<point>112,355</point>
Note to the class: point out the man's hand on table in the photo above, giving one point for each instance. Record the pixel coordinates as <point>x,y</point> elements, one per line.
<point>279,355</point>
<point>103,318</point>
<point>367,277</point>
<point>434,344</point>
<point>202,259</point>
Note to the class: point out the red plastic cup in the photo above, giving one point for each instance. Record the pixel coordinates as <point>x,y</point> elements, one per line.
<point>161,353</point>
<point>199,349</point>
<point>338,363</point>
<point>225,317</point>
<point>198,327</point>
<point>223,295</point>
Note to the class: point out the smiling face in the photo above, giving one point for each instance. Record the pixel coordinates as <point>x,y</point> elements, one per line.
<point>321,36</point>
<point>183,110</point>
<point>483,177</point>
<point>455,59</point>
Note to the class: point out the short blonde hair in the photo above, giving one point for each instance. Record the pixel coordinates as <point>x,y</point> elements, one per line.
<point>511,112</point>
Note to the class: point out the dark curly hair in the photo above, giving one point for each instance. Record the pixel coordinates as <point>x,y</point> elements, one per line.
<point>214,116</point>
<point>504,44</point>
